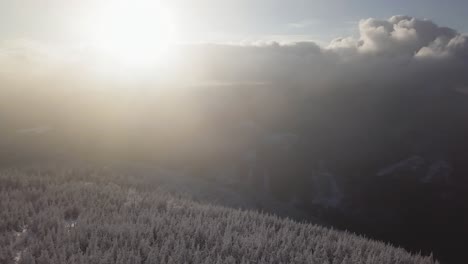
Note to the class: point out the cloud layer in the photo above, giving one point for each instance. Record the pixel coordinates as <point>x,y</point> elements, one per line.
<point>404,35</point>
<point>287,111</point>
<point>247,88</point>
<point>401,49</point>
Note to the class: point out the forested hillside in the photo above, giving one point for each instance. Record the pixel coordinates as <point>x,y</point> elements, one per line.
<point>91,216</point>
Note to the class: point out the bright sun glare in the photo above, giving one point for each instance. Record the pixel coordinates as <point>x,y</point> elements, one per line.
<point>135,33</point>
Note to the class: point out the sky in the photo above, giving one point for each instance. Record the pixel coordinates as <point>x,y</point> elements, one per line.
<point>314,43</point>
<point>102,66</point>
<point>321,21</point>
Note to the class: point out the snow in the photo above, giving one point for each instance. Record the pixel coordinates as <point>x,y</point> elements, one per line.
<point>17,257</point>
<point>18,236</point>
<point>70,224</point>
<point>23,231</point>
<point>133,198</point>
<point>439,170</point>
<point>334,196</point>
<point>328,193</point>
<point>412,163</point>
<point>214,190</point>
<point>426,172</point>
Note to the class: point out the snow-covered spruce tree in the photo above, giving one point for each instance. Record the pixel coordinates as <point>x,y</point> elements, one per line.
<point>68,216</point>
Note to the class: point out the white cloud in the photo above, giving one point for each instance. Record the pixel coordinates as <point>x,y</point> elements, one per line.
<point>401,49</point>
<point>401,35</point>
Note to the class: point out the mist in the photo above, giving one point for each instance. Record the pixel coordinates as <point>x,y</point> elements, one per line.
<point>366,133</point>
<point>216,99</point>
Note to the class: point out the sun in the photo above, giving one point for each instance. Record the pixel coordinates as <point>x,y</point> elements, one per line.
<point>133,32</point>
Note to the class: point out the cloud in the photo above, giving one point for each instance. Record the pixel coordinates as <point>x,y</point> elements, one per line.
<point>401,50</point>
<point>204,97</point>
<point>403,35</point>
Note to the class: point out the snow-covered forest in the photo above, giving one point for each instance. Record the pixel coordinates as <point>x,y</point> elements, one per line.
<point>58,215</point>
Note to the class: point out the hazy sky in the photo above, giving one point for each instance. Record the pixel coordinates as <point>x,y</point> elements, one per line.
<point>214,20</point>
<point>134,37</point>
<point>104,62</point>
